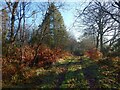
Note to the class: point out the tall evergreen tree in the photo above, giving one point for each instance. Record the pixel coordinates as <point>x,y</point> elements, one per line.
<point>53,28</point>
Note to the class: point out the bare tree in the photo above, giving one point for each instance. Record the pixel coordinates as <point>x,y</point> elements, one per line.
<point>12,6</point>
<point>99,23</point>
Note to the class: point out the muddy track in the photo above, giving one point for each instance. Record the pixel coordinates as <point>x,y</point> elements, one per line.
<point>61,78</point>
<point>91,73</point>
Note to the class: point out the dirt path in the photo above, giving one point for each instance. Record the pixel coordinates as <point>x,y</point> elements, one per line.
<point>61,78</point>
<point>91,75</point>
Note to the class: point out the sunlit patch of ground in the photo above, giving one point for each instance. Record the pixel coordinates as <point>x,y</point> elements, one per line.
<point>70,73</point>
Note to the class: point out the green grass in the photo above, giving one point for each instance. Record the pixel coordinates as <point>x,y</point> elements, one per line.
<point>71,73</point>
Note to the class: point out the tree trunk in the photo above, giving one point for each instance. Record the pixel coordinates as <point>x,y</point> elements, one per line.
<point>12,28</point>
<point>97,41</point>
<point>101,42</point>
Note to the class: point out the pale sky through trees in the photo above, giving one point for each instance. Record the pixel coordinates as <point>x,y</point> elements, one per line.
<point>68,12</point>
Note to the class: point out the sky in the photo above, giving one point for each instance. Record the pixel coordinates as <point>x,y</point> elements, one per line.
<point>58,0</point>
<point>69,19</point>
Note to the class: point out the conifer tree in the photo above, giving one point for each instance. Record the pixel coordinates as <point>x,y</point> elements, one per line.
<point>54,29</point>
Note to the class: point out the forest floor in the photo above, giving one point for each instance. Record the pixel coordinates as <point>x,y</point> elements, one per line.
<point>75,72</point>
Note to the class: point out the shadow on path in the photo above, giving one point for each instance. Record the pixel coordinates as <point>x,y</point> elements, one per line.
<point>91,73</point>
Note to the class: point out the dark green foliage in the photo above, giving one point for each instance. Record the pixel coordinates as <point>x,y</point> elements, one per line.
<point>117,48</point>
<point>78,53</point>
<point>52,31</point>
<point>106,61</point>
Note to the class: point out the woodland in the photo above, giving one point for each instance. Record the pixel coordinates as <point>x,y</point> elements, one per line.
<point>38,50</point>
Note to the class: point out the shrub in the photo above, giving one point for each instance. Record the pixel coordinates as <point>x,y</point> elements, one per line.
<point>78,53</point>
<point>105,61</point>
<point>93,54</point>
<point>45,57</point>
<point>8,70</point>
<point>27,54</point>
<point>61,54</point>
<point>11,51</point>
